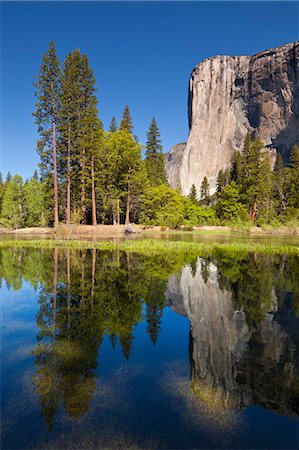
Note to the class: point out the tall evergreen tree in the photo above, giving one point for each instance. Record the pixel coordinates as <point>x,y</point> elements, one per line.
<point>205,190</point>
<point>88,114</point>
<point>153,156</point>
<point>8,177</point>
<point>256,179</point>
<point>46,116</point>
<point>293,179</point>
<point>69,117</point>
<point>126,122</point>
<point>113,125</point>
<point>236,168</point>
<point>193,194</point>
<point>279,186</point>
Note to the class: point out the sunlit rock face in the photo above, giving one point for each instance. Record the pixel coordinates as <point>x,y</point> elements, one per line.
<point>230,364</point>
<point>229,96</point>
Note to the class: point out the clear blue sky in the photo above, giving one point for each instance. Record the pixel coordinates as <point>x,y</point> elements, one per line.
<point>141,53</point>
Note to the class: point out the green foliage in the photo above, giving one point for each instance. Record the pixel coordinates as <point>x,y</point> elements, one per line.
<point>113,125</point>
<point>46,116</point>
<point>163,206</point>
<point>154,160</point>
<point>205,191</point>
<point>193,195</point>
<point>34,194</point>
<point>229,208</point>
<point>126,123</point>
<point>12,203</point>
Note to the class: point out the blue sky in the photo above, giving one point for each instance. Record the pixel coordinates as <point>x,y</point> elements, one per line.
<point>142,55</point>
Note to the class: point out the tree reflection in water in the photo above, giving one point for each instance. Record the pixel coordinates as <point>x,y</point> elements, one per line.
<point>243,311</point>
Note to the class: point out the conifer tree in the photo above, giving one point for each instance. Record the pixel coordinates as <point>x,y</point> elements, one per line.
<point>279,185</point>
<point>222,179</point>
<point>153,156</point>
<point>294,159</point>
<point>256,185</point>
<point>46,116</point>
<point>88,113</point>
<point>193,194</point>
<point>126,122</point>
<point>205,190</point>
<point>8,177</point>
<point>113,125</point>
<point>293,179</point>
<point>236,168</point>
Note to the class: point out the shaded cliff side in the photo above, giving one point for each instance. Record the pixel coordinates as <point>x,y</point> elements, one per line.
<point>229,96</point>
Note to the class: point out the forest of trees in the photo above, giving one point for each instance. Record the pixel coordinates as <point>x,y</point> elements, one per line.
<point>88,175</point>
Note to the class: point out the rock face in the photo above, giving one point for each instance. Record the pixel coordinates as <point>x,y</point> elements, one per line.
<point>173,164</point>
<point>229,96</point>
<point>236,365</point>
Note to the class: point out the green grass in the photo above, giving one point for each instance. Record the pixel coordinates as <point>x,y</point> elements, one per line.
<point>150,247</point>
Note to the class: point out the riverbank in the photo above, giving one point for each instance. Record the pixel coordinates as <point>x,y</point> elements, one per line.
<point>118,231</point>
<point>151,246</point>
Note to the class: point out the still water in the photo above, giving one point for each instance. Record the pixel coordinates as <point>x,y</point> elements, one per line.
<point>118,350</point>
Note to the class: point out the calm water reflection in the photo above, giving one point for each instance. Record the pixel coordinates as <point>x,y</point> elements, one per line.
<point>118,350</point>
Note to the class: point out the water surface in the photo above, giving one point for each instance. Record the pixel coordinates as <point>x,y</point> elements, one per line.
<point>118,350</point>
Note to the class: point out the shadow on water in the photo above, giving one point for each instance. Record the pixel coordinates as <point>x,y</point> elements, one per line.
<point>131,351</point>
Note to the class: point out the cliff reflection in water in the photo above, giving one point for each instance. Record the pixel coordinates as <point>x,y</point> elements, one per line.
<point>244,330</point>
<point>243,312</point>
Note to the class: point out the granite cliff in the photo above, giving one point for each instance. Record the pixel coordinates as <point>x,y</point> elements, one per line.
<point>229,96</point>
<point>236,364</point>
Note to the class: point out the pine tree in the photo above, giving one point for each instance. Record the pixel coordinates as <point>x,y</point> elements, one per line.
<point>69,117</point>
<point>193,194</point>
<point>294,159</point>
<point>46,116</point>
<point>35,175</point>
<point>8,177</point>
<point>256,186</point>
<point>154,160</point>
<point>293,179</point>
<point>279,188</point>
<point>113,125</point>
<point>205,190</point>
<point>236,168</point>
<point>126,122</point>
<point>222,179</point>
<point>89,113</point>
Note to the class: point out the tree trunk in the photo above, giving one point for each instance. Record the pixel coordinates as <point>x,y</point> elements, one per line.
<point>93,197</point>
<point>252,213</point>
<point>83,205</point>
<point>127,221</point>
<point>83,257</point>
<point>117,212</point>
<point>68,269</point>
<point>55,273</point>
<point>56,220</point>
<point>68,197</point>
<point>93,271</point>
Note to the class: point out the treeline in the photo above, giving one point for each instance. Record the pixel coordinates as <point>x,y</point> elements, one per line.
<point>89,175</point>
<point>251,191</point>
